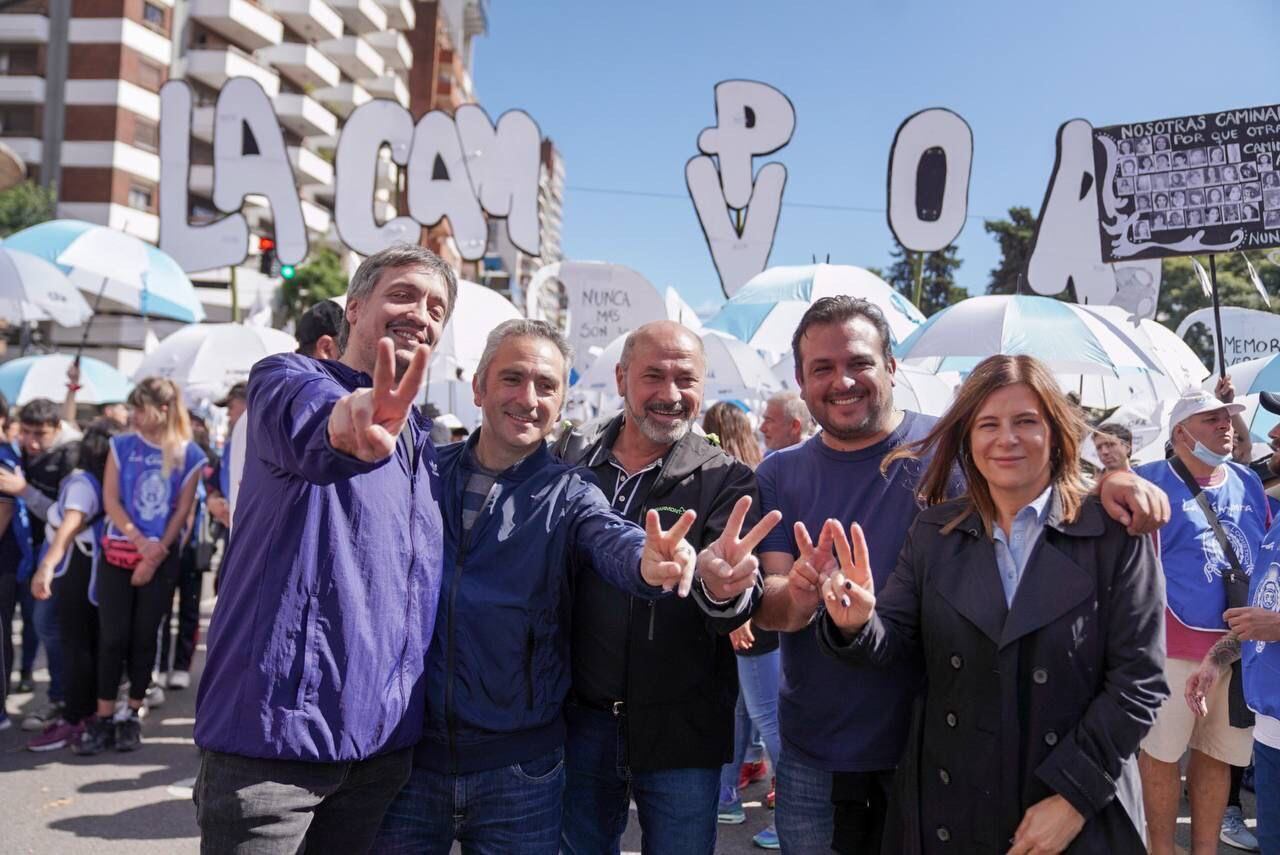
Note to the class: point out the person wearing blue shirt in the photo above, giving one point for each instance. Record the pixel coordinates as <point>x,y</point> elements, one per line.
<point>312,696</point>
<point>498,669</point>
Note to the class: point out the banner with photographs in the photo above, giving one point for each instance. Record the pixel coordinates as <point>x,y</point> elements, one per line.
<point>1192,185</point>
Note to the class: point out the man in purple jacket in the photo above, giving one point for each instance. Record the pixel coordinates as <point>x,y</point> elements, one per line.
<point>312,695</point>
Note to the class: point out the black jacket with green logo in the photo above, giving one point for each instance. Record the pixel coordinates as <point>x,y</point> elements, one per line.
<point>681,678</point>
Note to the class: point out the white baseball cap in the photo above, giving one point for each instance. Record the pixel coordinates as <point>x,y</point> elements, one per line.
<point>1193,402</point>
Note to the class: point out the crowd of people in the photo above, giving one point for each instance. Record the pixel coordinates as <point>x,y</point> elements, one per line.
<point>945,634</point>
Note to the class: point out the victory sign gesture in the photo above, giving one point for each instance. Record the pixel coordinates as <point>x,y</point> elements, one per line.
<point>668,559</point>
<point>849,592</point>
<point>366,423</point>
<point>727,567</point>
<point>811,569</point>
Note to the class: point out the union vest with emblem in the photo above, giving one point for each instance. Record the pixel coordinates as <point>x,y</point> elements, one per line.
<point>148,495</point>
<point>1193,561</point>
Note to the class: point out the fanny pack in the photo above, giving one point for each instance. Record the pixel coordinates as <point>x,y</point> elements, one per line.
<point>120,552</point>
<point>1237,583</point>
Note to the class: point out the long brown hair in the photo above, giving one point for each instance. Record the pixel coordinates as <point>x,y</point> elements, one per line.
<point>159,393</point>
<point>949,439</point>
<point>731,425</point>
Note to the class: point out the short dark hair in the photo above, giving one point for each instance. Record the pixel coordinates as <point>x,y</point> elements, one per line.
<point>393,257</point>
<point>1120,432</point>
<point>838,310</point>
<point>40,411</point>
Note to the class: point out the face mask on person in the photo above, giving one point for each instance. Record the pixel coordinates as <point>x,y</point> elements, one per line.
<point>1208,456</point>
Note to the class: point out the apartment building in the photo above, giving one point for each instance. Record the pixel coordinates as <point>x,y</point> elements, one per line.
<point>79,103</point>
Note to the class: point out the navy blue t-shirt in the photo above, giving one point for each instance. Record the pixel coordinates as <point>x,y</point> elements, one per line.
<point>833,716</point>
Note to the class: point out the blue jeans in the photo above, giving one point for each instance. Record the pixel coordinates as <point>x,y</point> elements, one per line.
<point>514,808</point>
<point>758,707</point>
<point>1266,772</point>
<point>804,816</point>
<point>676,807</point>
<point>30,637</point>
<point>45,618</point>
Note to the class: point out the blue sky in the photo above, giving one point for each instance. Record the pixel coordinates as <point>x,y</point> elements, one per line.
<point>624,88</point>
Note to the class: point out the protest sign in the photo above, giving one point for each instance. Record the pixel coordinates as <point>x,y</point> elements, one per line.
<point>1246,333</point>
<point>1205,183</point>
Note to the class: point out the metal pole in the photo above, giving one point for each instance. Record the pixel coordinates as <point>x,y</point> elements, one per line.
<point>919,279</point>
<point>84,338</point>
<point>1217,315</point>
<point>235,298</point>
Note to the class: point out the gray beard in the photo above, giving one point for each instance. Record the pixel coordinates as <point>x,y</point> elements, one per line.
<point>655,432</point>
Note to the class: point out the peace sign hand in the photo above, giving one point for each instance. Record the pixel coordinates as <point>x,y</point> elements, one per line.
<point>366,423</point>
<point>811,569</point>
<point>668,559</point>
<point>850,592</point>
<point>727,567</point>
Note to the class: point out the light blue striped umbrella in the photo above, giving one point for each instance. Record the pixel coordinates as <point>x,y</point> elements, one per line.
<point>1069,338</point>
<point>45,376</point>
<point>116,265</point>
<point>1252,378</point>
<point>764,313</point>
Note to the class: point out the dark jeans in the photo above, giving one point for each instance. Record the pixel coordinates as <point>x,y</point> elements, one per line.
<point>514,808</point>
<point>129,621</point>
<point>78,625</point>
<point>11,600</point>
<point>676,807</point>
<point>821,812</point>
<point>45,618</point>
<point>8,599</point>
<point>1266,779</point>
<point>248,806</point>
<point>188,589</point>
<point>30,638</point>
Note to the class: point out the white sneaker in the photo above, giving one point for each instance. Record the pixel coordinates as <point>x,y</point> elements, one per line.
<point>155,696</point>
<point>179,679</point>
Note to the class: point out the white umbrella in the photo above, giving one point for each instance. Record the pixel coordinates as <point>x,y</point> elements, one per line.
<point>1066,336</point>
<point>765,312</point>
<point>734,369</point>
<point>208,359</point>
<point>32,289</point>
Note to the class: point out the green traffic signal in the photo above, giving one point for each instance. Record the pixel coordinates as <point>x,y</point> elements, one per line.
<point>288,271</point>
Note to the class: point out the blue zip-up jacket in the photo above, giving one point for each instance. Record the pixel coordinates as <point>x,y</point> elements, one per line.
<point>329,587</point>
<point>20,525</point>
<point>498,668</point>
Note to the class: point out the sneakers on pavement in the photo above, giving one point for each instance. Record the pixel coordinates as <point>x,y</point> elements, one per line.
<point>129,732</point>
<point>59,733</point>
<point>155,696</point>
<point>731,813</point>
<point>5,723</point>
<point>34,722</point>
<point>749,773</point>
<point>99,734</point>
<point>1235,833</point>
<point>767,839</point>
<point>179,679</point>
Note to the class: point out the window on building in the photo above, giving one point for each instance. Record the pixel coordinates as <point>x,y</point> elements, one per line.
<point>18,60</point>
<point>146,134</point>
<point>17,121</point>
<point>150,75</point>
<point>141,197</point>
<point>153,14</point>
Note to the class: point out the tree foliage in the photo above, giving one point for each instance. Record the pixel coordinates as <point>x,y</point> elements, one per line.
<point>938,280</point>
<point>1014,235</point>
<point>24,205</point>
<point>321,278</point>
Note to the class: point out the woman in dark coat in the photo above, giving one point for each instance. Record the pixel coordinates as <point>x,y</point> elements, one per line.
<point>1039,623</point>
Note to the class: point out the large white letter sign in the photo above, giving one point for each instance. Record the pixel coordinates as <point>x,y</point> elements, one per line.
<point>249,157</point>
<point>439,186</point>
<point>929,167</point>
<point>194,247</point>
<point>504,164</point>
<point>1065,249</point>
<point>368,127</point>
<point>737,209</point>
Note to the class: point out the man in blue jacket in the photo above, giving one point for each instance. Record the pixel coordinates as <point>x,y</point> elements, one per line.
<point>519,524</point>
<point>312,695</point>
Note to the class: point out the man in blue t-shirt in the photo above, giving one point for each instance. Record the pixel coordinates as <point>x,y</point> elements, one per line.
<point>843,727</point>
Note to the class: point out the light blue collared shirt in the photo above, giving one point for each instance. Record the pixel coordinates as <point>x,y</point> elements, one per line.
<point>1012,552</point>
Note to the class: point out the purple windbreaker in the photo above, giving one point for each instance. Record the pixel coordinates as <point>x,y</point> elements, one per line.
<point>328,590</point>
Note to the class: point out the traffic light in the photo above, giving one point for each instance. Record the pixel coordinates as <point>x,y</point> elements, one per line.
<point>288,271</point>
<point>267,263</point>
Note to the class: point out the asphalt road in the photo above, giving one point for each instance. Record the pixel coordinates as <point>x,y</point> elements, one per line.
<point>140,803</point>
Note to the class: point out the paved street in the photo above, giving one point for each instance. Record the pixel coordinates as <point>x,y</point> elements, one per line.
<point>140,803</point>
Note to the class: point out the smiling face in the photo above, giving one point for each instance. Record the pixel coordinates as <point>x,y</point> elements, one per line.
<point>521,394</point>
<point>661,384</point>
<point>408,306</point>
<point>844,379</point>
<point>1010,441</point>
